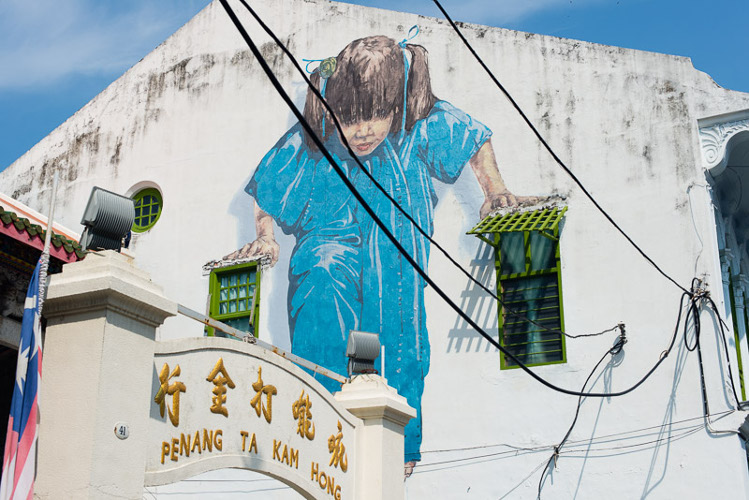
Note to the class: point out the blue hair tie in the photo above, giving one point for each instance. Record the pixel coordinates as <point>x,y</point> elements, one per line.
<point>409,36</point>
<point>322,93</point>
<point>407,66</point>
<point>326,68</point>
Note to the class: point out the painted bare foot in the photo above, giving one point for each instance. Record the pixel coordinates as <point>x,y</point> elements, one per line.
<point>409,469</point>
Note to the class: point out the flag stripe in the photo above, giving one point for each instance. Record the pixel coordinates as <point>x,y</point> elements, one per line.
<point>19,460</point>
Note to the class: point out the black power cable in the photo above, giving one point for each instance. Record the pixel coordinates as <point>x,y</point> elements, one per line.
<point>723,327</point>
<point>616,349</point>
<point>700,296</point>
<point>391,199</point>
<point>318,142</point>
<point>551,151</point>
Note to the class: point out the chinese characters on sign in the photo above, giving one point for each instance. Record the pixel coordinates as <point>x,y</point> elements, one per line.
<point>257,401</point>
<point>303,415</point>
<point>338,451</point>
<point>172,390</point>
<point>219,377</point>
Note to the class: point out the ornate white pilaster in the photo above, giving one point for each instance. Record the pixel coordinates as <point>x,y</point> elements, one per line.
<point>726,259</point>
<point>715,138</point>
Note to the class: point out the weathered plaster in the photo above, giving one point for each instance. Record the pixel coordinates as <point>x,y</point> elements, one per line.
<point>624,121</point>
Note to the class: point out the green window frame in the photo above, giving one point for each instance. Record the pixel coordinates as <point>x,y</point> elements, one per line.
<point>234,298</point>
<point>529,282</point>
<point>148,207</point>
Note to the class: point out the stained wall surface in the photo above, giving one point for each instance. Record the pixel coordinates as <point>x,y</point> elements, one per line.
<point>197,116</point>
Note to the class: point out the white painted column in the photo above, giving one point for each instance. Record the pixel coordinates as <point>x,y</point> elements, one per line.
<point>380,447</point>
<point>97,373</point>
<point>726,256</point>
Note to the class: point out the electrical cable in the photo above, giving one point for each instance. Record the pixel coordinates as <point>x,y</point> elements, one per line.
<point>702,296</point>
<point>598,452</point>
<point>681,433</point>
<point>722,328</point>
<point>388,234</point>
<point>391,199</point>
<point>694,224</point>
<point>603,438</point>
<point>420,468</point>
<point>514,453</point>
<point>551,151</point>
<point>616,349</point>
<point>699,296</point>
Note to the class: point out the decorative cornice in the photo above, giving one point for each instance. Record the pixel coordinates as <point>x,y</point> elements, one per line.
<point>36,233</point>
<point>715,142</point>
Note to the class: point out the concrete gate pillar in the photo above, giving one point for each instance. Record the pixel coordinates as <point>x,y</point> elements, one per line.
<point>379,471</point>
<point>97,372</point>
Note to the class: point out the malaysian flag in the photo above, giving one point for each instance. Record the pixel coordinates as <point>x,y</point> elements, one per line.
<point>19,462</point>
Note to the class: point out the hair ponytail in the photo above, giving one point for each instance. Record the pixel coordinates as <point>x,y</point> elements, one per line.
<point>313,112</point>
<point>420,97</point>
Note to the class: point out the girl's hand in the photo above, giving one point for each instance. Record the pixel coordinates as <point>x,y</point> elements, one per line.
<point>265,246</point>
<point>505,199</point>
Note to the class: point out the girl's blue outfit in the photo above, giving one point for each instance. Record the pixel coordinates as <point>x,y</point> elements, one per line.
<point>344,273</point>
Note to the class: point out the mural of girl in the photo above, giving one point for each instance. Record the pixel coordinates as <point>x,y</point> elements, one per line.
<point>343,273</point>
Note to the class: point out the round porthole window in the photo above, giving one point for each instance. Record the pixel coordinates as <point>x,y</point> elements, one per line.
<point>148,206</point>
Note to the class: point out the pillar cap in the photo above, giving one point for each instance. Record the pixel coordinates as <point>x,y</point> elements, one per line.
<point>369,396</point>
<point>107,280</point>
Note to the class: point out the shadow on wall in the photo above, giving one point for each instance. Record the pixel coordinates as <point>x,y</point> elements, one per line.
<point>668,432</point>
<point>477,304</point>
<point>574,450</point>
<point>274,281</point>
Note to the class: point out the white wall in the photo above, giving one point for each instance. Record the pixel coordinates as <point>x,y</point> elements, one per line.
<point>196,115</point>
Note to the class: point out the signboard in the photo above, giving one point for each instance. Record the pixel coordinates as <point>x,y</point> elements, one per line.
<point>221,403</point>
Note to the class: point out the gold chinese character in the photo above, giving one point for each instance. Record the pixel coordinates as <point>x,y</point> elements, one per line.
<point>339,457</point>
<point>172,390</point>
<point>257,401</point>
<point>303,414</point>
<point>219,377</point>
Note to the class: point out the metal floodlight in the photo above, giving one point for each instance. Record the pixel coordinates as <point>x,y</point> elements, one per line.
<point>107,219</point>
<point>362,350</point>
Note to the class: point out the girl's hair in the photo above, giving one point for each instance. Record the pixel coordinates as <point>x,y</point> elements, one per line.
<point>368,83</point>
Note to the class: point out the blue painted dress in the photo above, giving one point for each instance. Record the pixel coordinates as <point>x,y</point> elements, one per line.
<point>344,273</point>
<point>437,148</point>
<point>307,199</point>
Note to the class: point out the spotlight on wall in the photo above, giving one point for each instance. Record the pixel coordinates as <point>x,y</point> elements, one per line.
<point>108,218</point>
<point>362,350</point>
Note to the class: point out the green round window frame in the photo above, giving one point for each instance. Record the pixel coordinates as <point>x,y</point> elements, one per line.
<point>148,207</point>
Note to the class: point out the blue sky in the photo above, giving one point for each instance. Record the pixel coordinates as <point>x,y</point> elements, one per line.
<point>57,55</point>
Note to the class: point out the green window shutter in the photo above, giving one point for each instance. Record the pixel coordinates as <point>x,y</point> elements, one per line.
<point>527,263</point>
<point>148,206</point>
<point>235,297</point>
<point>535,298</point>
